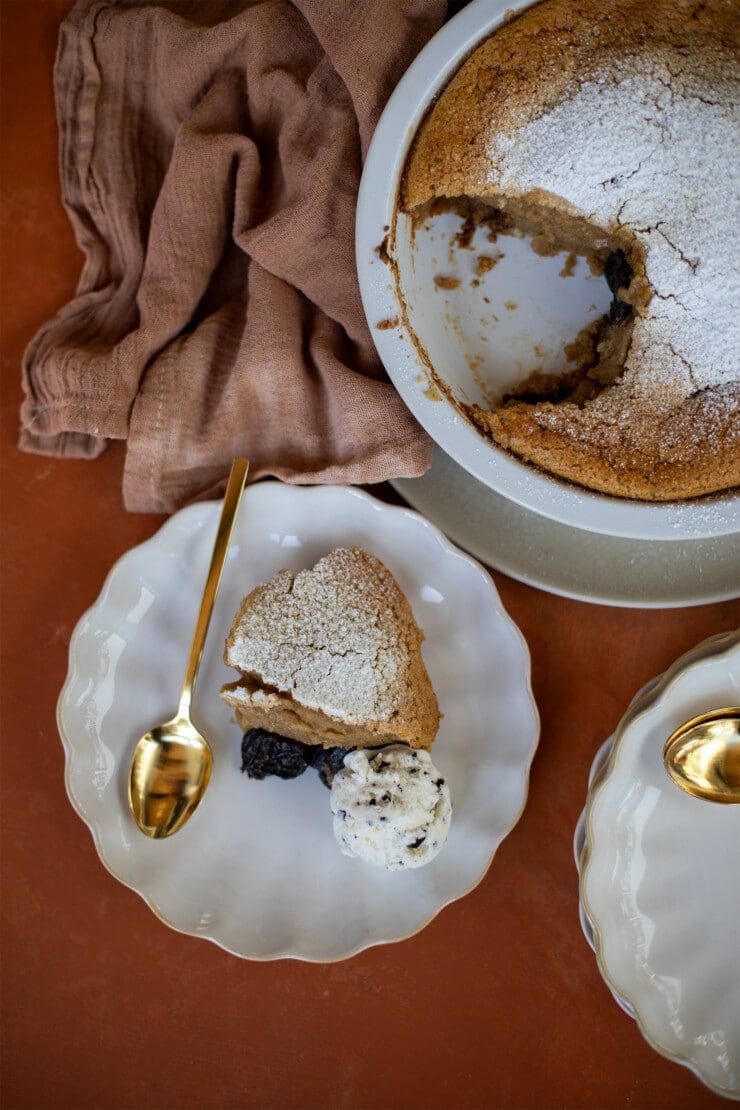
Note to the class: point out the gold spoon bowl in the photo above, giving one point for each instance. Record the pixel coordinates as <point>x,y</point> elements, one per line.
<point>172,762</point>
<point>170,771</point>
<point>703,756</point>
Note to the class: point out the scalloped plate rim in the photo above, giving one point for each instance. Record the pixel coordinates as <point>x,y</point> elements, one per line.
<point>657,690</point>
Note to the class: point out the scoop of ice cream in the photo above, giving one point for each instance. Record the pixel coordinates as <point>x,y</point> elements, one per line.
<point>391,807</point>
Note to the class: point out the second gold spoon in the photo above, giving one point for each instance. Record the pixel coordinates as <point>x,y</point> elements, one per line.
<point>172,762</point>
<point>703,756</point>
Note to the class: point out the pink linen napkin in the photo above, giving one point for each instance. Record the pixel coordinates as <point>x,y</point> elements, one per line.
<point>210,159</point>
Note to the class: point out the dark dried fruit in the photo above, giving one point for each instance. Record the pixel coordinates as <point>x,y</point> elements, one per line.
<point>618,274</point>
<point>264,753</point>
<point>329,761</point>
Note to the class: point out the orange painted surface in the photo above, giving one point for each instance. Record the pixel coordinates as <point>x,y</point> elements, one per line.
<point>497,1003</point>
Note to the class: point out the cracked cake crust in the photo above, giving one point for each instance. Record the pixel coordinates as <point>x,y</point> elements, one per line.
<point>624,116</point>
<point>332,656</point>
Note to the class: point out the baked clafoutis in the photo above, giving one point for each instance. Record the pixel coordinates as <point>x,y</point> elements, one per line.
<point>610,131</point>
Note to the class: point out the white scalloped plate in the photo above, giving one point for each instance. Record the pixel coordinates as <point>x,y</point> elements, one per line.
<point>660,876</point>
<point>256,869</point>
<point>459,327</point>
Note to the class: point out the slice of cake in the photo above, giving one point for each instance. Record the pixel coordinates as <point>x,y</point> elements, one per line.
<point>332,656</point>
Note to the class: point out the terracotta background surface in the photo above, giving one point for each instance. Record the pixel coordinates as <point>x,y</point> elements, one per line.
<point>498,1002</point>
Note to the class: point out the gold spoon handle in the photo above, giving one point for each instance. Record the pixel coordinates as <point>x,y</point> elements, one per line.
<point>232,497</point>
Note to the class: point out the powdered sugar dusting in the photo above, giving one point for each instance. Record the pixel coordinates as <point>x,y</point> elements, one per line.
<point>629,150</point>
<point>339,638</point>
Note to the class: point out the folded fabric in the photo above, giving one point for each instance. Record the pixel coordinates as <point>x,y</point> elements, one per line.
<point>210,160</point>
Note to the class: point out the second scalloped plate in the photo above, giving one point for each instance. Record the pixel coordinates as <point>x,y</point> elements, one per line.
<point>660,877</point>
<point>256,869</point>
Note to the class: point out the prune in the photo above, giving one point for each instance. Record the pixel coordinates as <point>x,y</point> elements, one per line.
<point>264,753</point>
<point>328,761</point>
<point>618,274</point>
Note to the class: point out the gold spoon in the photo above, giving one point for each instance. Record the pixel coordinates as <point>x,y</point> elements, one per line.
<point>703,756</point>
<point>172,761</point>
